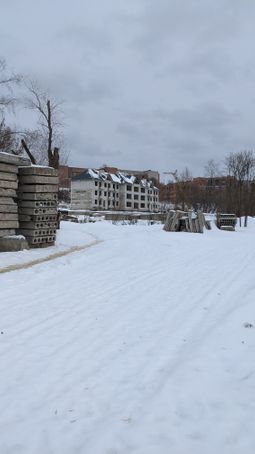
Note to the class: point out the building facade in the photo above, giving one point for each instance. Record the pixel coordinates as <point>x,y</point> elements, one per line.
<point>100,190</point>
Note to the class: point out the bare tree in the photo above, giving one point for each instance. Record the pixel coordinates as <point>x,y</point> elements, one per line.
<point>8,139</point>
<point>47,137</point>
<point>240,167</point>
<point>7,81</point>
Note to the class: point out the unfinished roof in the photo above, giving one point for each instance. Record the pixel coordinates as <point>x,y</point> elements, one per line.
<point>118,177</point>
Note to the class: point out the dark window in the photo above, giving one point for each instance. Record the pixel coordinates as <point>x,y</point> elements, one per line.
<point>105,185</point>
<point>136,188</point>
<point>95,192</point>
<point>117,203</point>
<point>142,197</point>
<point>95,183</point>
<point>143,190</point>
<point>129,188</point>
<point>129,204</point>
<point>105,193</point>
<point>136,196</point>
<point>129,196</point>
<point>95,201</point>
<point>142,205</point>
<point>136,205</point>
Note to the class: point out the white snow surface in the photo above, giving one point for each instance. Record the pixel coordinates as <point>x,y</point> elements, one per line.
<point>136,345</point>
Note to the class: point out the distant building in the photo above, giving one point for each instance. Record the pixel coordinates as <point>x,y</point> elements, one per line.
<point>66,173</point>
<point>101,190</point>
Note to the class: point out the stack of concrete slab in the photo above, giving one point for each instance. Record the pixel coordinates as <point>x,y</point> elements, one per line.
<point>185,221</point>
<point>8,192</point>
<point>37,203</point>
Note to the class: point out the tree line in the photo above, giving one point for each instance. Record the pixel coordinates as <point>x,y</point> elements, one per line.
<point>230,190</point>
<point>44,144</point>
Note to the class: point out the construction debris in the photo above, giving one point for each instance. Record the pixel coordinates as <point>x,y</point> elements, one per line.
<point>226,221</point>
<point>37,204</point>
<point>185,221</point>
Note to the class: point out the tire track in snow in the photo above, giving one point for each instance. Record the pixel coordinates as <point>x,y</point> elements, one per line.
<point>56,255</point>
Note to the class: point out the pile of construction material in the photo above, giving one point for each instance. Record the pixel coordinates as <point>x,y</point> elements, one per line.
<point>226,221</point>
<point>9,164</point>
<point>185,221</point>
<point>37,204</point>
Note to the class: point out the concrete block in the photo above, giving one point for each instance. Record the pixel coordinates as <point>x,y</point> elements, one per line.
<point>37,179</point>
<point>12,244</point>
<point>37,211</point>
<point>39,232</point>
<point>8,217</point>
<point>8,158</point>
<point>38,188</point>
<point>9,225</point>
<point>37,170</point>
<point>6,232</point>
<point>38,196</point>
<point>8,176</point>
<point>8,184</point>
<point>8,168</point>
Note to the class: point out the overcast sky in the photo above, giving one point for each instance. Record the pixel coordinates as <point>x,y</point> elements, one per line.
<point>159,84</point>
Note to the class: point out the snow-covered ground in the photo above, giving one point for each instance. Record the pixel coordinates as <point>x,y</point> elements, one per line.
<point>140,344</point>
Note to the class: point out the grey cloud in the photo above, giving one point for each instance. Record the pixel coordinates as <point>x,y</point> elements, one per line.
<point>146,83</point>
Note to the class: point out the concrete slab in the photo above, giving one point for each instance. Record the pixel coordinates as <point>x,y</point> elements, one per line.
<point>37,225</point>
<point>37,211</point>
<point>7,201</point>
<point>8,176</point>
<point>9,225</point>
<point>8,192</point>
<point>8,217</point>
<point>8,168</point>
<point>37,170</point>
<point>39,218</point>
<point>37,203</point>
<point>8,158</point>
<point>34,233</point>
<point>37,188</point>
<point>37,179</point>
<point>12,244</point>
<point>8,209</point>
<point>8,184</point>
<point>44,241</point>
<point>6,232</point>
<point>38,196</point>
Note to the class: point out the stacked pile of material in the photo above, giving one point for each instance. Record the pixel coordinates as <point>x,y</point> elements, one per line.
<point>8,192</point>
<point>185,221</point>
<point>226,221</point>
<point>37,201</point>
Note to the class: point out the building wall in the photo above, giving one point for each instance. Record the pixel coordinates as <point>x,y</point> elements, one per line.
<point>66,173</point>
<point>107,195</point>
<point>82,194</point>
